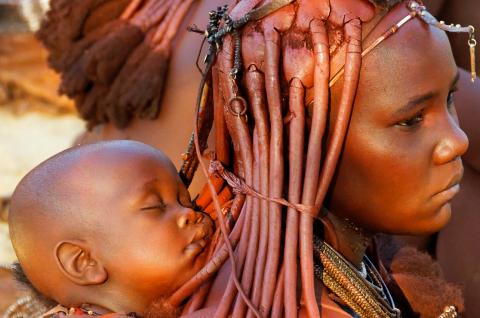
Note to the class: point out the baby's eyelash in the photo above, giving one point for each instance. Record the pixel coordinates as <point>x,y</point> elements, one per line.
<point>160,206</point>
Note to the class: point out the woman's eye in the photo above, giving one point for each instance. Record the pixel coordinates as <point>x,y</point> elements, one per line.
<point>412,121</point>
<point>451,98</point>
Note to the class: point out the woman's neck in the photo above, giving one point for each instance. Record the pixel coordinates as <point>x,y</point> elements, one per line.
<point>352,239</point>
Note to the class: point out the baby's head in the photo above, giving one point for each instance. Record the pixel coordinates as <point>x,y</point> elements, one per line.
<point>109,224</point>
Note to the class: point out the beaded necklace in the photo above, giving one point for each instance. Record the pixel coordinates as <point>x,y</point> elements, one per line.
<point>363,290</point>
<point>366,294</point>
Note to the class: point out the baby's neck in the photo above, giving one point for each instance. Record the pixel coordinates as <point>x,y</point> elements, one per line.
<point>109,300</point>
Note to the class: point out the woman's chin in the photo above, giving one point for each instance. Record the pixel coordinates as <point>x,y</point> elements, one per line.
<point>437,221</point>
<point>443,216</point>
<point>201,259</point>
<point>430,223</point>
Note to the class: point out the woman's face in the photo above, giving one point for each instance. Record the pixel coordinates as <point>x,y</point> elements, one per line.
<point>401,162</point>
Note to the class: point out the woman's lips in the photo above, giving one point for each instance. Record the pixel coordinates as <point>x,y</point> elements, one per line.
<point>452,188</point>
<point>448,194</point>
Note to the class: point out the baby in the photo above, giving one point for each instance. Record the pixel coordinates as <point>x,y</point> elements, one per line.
<point>107,227</point>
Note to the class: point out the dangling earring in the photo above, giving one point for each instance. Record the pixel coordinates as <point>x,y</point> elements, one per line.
<point>472,43</point>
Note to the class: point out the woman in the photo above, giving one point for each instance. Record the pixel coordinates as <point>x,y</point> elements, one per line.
<point>404,123</point>
<point>458,239</point>
<point>399,168</point>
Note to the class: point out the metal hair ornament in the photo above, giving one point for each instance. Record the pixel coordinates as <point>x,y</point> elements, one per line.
<point>427,17</point>
<point>418,10</point>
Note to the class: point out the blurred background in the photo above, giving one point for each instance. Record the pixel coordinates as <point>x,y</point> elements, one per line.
<point>35,122</point>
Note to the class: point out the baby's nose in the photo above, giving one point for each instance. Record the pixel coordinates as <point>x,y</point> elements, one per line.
<point>188,216</point>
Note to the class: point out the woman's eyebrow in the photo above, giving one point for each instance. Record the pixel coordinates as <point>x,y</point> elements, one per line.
<point>414,103</point>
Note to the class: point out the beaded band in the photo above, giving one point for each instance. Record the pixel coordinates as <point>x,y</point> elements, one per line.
<point>418,10</point>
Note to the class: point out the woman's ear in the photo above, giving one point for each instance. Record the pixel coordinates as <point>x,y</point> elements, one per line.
<point>76,263</point>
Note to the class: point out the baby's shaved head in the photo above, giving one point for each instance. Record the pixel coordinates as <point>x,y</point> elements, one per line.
<point>108,224</point>
<point>67,197</point>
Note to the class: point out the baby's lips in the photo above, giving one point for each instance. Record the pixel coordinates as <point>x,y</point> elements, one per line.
<point>203,230</point>
<point>203,242</point>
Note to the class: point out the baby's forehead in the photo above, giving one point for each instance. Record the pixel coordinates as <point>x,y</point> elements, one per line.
<point>121,170</point>
<point>97,172</point>
<point>121,160</point>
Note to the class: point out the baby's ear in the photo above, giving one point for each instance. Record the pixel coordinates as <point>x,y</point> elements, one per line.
<point>77,264</point>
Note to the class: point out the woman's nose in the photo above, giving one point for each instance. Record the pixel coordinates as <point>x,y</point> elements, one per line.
<point>453,144</point>
<point>187,216</point>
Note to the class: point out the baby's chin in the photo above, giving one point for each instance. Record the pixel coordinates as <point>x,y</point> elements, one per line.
<point>160,308</point>
<point>200,260</point>
<point>190,266</point>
